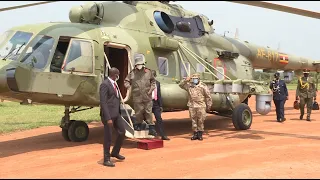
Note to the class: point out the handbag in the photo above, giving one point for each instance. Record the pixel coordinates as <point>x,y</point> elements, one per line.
<point>296,105</point>
<point>315,106</point>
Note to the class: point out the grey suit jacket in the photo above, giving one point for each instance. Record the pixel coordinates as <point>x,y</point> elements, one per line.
<point>109,102</point>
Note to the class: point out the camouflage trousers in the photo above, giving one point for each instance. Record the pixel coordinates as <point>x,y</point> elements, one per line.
<point>197,115</point>
<point>303,102</point>
<point>143,111</point>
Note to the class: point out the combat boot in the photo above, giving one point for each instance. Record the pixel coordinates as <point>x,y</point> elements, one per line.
<point>200,135</point>
<point>107,161</point>
<point>137,127</point>
<point>301,116</point>
<point>152,131</point>
<point>195,135</point>
<point>308,118</point>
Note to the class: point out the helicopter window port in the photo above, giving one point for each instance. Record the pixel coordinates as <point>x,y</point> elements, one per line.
<point>163,66</point>
<point>13,48</point>
<point>79,57</point>
<point>220,74</point>
<point>200,68</point>
<point>164,22</point>
<point>38,52</point>
<point>183,71</point>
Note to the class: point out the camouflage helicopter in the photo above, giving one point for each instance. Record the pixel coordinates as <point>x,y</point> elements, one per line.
<point>175,42</point>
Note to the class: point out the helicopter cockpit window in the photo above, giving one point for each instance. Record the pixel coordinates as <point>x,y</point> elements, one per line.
<point>200,68</point>
<point>38,53</point>
<point>13,48</point>
<point>79,57</point>
<point>183,71</point>
<point>163,66</point>
<point>5,36</point>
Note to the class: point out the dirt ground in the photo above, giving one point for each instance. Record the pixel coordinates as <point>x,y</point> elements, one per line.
<point>268,150</point>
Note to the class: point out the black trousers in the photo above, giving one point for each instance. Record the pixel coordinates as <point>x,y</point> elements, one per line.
<point>279,108</point>
<point>120,131</point>
<point>157,113</point>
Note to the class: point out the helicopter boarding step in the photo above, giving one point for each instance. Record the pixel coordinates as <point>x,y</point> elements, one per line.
<point>130,131</point>
<point>148,144</point>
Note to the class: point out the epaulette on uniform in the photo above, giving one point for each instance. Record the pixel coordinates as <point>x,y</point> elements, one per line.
<point>146,70</point>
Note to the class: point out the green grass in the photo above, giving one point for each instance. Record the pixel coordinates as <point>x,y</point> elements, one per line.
<point>16,117</point>
<point>292,86</point>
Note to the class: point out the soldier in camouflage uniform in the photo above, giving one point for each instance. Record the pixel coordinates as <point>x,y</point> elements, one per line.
<point>142,83</point>
<point>199,99</point>
<point>306,91</point>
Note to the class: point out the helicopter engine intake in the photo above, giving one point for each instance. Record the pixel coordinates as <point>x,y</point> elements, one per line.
<point>90,13</point>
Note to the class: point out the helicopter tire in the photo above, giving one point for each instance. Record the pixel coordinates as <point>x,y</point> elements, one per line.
<point>78,131</point>
<point>242,117</point>
<point>65,132</point>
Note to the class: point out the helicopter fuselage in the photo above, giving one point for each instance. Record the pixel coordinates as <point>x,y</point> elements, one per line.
<point>150,28</point>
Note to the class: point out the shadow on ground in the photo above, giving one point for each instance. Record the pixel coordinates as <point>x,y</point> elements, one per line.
<point>175,127</point>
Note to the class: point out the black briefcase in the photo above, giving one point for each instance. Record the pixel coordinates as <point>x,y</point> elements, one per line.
<point>315,106</point>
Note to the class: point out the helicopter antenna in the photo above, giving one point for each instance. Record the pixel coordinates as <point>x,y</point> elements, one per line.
<point>236,35</point>
<point>278,46</point>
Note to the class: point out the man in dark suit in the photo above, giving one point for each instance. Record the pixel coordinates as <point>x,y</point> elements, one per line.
<point>157,107</point>
<point>280,95</point>
<point>110,116</point>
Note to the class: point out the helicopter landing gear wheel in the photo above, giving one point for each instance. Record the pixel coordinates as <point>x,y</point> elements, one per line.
<point>78,131</point>
<point>65,132</point>
<point>242,117</point>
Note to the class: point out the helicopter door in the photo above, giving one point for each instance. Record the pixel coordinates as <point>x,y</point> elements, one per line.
<point>221,67</point>
<point>78,61</point>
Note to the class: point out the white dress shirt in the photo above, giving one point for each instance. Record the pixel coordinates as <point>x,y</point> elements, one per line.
<point>153,91</point>
<point>114,83</point>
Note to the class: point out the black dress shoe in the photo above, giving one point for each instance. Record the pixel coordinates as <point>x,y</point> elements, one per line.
<point>301,117</point>
<point>108,163</point>
<point>165,138</point>
<point>118,156</point>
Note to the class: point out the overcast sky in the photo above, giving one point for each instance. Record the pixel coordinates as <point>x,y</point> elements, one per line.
<point>296,34</point>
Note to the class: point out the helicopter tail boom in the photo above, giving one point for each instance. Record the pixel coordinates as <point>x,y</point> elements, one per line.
<point>267,58</point>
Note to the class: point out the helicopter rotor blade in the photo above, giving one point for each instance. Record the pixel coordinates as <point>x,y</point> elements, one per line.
<point>25,5</point>
<point>281,8</point>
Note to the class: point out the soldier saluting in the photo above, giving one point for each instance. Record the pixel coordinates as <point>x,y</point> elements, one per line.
<point>306,91</point>
<point>280,95</point>
<point>199,99</point>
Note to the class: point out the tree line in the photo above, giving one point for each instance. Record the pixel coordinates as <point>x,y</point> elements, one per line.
<point>264,76</point>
